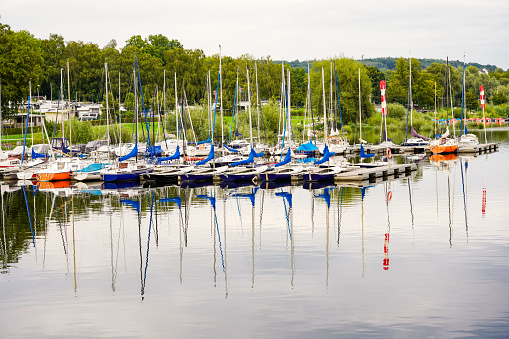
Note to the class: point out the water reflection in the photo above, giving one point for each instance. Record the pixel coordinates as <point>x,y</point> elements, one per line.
<point>227,253</point>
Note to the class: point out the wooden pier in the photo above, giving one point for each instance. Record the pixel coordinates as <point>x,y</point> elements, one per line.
<point>479,149</point>
<point>381,151</point>
<point>375,172</point>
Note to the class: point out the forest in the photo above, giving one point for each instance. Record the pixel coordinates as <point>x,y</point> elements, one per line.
<point>163,61</point>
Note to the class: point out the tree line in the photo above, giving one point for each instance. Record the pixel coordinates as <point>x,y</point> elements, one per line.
<point>164,62</point>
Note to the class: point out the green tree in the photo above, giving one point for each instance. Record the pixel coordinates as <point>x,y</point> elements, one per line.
<point>499,98</point>
<point>20,62</point>
<point>299,82</point>
<point>348,84</point>
<point>471,101</point>
<point>376,76</point>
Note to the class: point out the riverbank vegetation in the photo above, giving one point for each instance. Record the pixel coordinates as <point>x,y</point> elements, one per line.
<point>164,64</point>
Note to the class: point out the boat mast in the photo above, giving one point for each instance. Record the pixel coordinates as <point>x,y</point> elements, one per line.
<point>164,105</point>
<point>136,110</point>
<point>410,94</point>
<point>69,114</point>
<point>119,116</point>
<point>289,124</point>
<point>176,110</point>
<point>330,99</point>
<point>107,109</point>
<point>257,104</point>
<point>463,101</point>
<point>249,107</point>
<point>408,97</point>
<point>324,111</point>
<point>63,100</point>
<point>447,92</point>
<point>31,117</point>
<point>221,102</point>
<point>452,107</point>
<point>435,108</point>
<point>283,101</point>
<point>360,112</point>
<point>311,106</point>
<point>1,121</point>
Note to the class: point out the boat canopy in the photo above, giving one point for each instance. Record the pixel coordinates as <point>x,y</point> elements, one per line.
<point>307,147</point>
<point>92,168</point>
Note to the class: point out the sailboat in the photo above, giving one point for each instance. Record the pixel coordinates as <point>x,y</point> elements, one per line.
<point>444,144</point>
<point>282,171</point>
<point>319,173</point>
<point>62,168</point>
<point>125,170</point>
<point>466,139</point>
<point>416,139</point>
<point>93,170</point>
<point>339,143</point>
<point>237,173</point>
<point>284,138</point>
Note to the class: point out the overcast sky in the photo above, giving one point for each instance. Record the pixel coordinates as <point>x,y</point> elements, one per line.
<point>283,29</point>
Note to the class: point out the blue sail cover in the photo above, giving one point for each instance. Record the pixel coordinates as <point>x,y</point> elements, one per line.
<point>207,159</point>
<point>178,200</point>
<point>258,155</point>
<point>230,149</point>
<point>286,160</point>
<point>250,159</point>
<point>36,155</point>
<point>204,141</point>
<point>364,155</point>
<point>325,158</point>
<point>307,147</point>
<point>154,151</point>
<point>175,156</point>
<point>133,153</point>
<point>237,134</point>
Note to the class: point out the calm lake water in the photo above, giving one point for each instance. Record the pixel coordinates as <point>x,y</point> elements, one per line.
<point>420,256</point>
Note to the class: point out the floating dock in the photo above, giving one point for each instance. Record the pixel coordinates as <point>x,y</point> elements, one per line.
<point>375,172</point>
<point>479,149</point>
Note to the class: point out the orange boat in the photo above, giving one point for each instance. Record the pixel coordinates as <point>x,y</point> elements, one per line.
<point>444,144</point>
<point>60,170</point>
<point>437,148</point>
<point>53,176</point>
